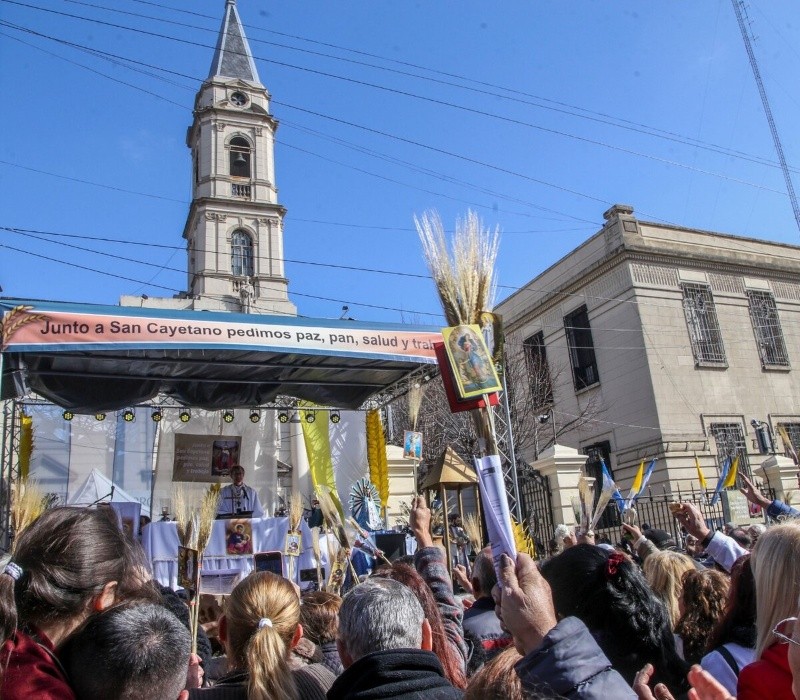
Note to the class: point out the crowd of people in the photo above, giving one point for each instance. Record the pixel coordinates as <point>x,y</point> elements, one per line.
<point>705,616</point>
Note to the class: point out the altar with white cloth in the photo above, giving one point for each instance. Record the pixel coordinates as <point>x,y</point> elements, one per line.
<point>160,542</point>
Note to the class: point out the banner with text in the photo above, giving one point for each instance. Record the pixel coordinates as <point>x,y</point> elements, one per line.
<point>29,328</point>
<point>205,458</point>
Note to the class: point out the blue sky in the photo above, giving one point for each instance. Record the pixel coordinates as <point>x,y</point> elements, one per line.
<point>538,115</point>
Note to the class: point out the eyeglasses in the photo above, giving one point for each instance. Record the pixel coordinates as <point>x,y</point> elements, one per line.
<point>784,631</point>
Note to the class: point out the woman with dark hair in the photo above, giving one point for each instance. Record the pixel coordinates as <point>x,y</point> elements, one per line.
<point>319,615</point>
<point>68,564</point>
<point>610,595</point>
<point>702,605</point>
<point>733,640</point>
<point>448,655</point>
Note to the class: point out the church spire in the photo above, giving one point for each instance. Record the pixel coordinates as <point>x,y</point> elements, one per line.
<point>233,58</point>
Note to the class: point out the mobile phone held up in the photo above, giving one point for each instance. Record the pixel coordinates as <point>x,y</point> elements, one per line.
<point>269,561</point>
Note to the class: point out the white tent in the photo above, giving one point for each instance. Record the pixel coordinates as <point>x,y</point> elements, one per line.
<point>98,487</point>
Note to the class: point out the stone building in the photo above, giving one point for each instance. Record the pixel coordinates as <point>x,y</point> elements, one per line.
<point>667,342</point>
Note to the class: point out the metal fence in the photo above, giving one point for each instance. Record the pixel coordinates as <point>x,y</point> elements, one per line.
<point>653,510</point>
<point>536,504</point>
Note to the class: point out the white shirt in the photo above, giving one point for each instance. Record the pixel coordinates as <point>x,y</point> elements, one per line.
<point>239,498</point>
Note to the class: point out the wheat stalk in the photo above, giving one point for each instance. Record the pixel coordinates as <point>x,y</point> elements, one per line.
<point>472,527</point>
<point>331,514</point>
<point>184,516</point>
<point>295,511</point>
<point>415,396</point>
<point>207,514</point>
<point>27,504</point>
<point>317,556</point>
<point>464,272</point>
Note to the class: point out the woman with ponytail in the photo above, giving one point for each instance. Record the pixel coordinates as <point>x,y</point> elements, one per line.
<point>65,566</point>
<point>258,628</point>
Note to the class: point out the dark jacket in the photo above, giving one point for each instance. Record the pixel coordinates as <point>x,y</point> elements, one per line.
<point>481,621</point>
<point>400,674</point>
<point>331,657</point>
<point>570,664</point>
<point>312,680</point>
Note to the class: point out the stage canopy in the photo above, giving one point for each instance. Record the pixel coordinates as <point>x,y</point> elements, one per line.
<point>92,358</point>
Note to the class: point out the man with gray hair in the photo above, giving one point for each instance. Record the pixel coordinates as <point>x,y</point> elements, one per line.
<point>480,619</point>
<point>127,653</point>
<point>385,645</point>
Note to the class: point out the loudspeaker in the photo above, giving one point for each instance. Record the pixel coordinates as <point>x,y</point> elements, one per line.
<point>392,544</point>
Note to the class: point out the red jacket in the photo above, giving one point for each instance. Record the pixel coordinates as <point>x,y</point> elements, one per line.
<point>769,678</point>
<point>29,669</point>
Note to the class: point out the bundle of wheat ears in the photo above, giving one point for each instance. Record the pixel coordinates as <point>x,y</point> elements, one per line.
<point>472,527</point>
<point>463,273</point>
<point>194,518</point>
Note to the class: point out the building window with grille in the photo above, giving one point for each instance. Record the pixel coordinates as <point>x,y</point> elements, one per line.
<point>241,254</point>
<point>239,157</point>
<point>581,348</point>
<point>791,431</point>
<point>701,320</point>
<point>767,329</point>
<point>730,443</point>
<point>538,372</point>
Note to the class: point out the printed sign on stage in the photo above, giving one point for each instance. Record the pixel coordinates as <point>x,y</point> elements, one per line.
<point>204,457</point>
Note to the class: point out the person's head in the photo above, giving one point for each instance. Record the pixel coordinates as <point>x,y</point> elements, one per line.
<point>498,680</point>
<point>611,596</point>
<point>660,538</point>
<point>379,615</point>
<point>664,572</point>
<point>259,625</point>
<point>315,503</point>
<point>794,657</point>
<point>128,652</point>
<point>319,616</point>
<point>237,474</point>
<point>741,537</point>
<point>755,531</point>
<point>702,603</point>
<point>440,645</point>
<point>775,561</point>
<point>72,562</point>
<point>484,577</point>
<point>738,623</point>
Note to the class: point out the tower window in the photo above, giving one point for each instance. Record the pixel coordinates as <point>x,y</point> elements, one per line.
<point>767,327</point>
<point>581,348</point>
<point>701,320</point>
<point>240,157</point>
<point>241,254</point>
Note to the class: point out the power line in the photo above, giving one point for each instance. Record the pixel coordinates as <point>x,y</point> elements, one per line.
<point>435,101</point>
<point>560,107</point>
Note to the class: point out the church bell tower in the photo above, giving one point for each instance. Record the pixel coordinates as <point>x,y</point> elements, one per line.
<point>234,230</point>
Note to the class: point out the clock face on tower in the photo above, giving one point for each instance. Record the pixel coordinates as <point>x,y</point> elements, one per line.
<point>238,98</point>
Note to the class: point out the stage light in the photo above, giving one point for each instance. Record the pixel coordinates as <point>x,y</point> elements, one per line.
<point>99,416</point>
<point>68,415</point>
<point>185,415</point>
<point>311,416</point>
<point>335,417</point>
<point>283,417</point>
<point>156,415</point>
<point>128,415</point>
<point>255,415</point>
<point>228,416</point>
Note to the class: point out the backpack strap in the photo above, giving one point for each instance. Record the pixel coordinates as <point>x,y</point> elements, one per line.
<point>723,650</point>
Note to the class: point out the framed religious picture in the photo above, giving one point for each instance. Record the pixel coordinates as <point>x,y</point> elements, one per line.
<point>412,445</point>
<point>239,537</point>
<point>294,541</point>
<point>187,568</point>
<point>471,366</point>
